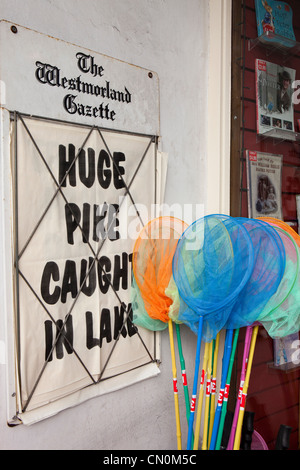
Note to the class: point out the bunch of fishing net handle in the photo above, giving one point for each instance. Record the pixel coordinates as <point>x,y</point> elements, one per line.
<point>219,274</point>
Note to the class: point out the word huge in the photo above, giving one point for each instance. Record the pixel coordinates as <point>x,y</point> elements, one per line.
<point>108,169</point>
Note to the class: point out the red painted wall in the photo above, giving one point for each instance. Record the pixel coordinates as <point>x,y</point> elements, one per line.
<point>273,395</point>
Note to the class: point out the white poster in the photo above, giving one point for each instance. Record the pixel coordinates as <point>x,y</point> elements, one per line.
<point>264,175</point>
<point>76,223</point>
<point>274,104</point>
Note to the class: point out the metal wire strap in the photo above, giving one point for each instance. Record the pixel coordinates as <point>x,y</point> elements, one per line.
<point>60,330</point>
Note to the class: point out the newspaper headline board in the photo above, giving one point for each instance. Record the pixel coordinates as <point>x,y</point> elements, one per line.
<point>84,148</point>
<point>43,76</point>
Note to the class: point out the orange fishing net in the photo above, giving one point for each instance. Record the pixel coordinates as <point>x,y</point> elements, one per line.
<point>284,226</point>
<point>152,264</point>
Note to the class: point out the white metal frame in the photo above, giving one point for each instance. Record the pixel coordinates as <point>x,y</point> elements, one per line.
<point>219,98</point>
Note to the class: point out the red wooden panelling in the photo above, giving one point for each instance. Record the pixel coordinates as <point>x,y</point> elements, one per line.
<point>273,395</point>
<point>291,179</point>
<point>289,207</point>
<point>268,426</point>
<point>252,141</point>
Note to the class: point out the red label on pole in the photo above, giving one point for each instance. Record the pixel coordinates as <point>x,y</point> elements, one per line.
<point>208,388</point>
<point>241,390</point>
<point>226,393</point>
<point>221,395</point>
<point>193,403</point>
<point>243,401</point>
<point>175,386</point>
<point>213,386</point>
<point>202,378</point>
<point>184,380</point>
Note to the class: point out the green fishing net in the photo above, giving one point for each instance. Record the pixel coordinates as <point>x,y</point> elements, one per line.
<point>140,315</point>
<point>281,315</point>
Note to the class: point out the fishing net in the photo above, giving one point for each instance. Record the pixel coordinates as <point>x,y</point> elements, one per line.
<point>268,269</point>
<point>281,315</point>
<point>152,270</point>
<point>283,225</point>
<point>140,314</point>
<point>269,265</point>
<point>212,263</point>
<point>258,443</point>
<point>154,294</point>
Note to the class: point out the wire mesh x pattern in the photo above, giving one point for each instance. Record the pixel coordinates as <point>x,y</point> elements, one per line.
<point>61,329</point>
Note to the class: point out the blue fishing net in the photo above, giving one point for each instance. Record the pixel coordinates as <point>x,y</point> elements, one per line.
<point>268,269</point>
<point>212,263</point>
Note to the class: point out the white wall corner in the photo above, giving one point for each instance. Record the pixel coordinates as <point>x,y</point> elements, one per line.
<point>219,98</point>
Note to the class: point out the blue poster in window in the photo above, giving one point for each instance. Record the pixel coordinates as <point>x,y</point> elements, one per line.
<point>275,21</point>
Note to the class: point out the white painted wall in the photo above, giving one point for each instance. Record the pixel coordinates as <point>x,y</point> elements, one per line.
<point>170,37</point>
